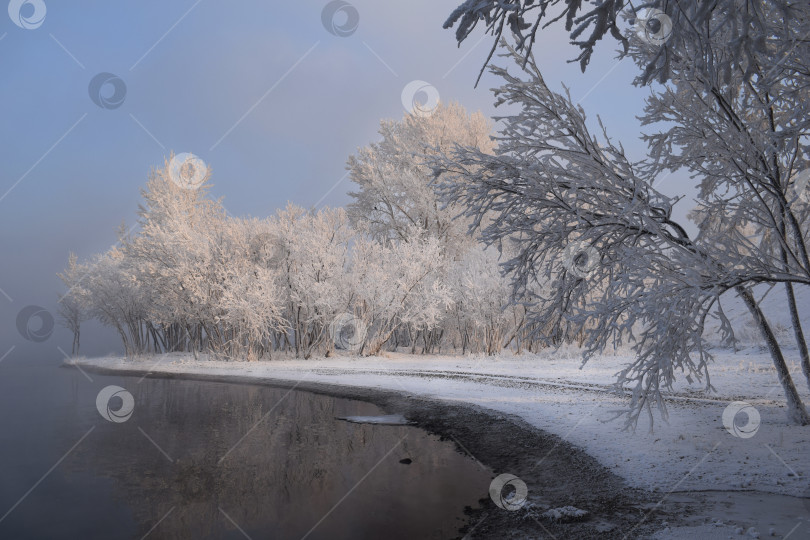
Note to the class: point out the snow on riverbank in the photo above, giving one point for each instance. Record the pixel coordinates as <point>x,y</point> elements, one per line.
<point>692,451</point>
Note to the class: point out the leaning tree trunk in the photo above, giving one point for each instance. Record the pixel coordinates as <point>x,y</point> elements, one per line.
<point>798,332</point>
<point>796,411</point>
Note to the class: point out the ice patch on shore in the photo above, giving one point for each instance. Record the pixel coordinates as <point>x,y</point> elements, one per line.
<point>388,419</point>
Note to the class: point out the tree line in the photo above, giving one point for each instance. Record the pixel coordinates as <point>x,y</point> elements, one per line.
<point>394,271</point>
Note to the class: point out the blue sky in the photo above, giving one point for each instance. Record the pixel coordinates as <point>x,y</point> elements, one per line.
<point>261,91</point>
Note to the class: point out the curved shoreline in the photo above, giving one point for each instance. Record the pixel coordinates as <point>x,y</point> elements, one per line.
<point>558,473</point>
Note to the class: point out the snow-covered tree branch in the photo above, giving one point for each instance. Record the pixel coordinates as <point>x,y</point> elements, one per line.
<point>578,213</point>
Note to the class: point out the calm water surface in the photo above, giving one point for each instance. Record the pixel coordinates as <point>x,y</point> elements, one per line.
<point>216,460</point>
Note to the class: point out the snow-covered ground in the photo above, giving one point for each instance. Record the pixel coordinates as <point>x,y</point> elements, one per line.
<point>692,451</point>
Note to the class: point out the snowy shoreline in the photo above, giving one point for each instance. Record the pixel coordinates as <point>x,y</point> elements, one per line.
<point>692,452</point>
<point>552,394</point>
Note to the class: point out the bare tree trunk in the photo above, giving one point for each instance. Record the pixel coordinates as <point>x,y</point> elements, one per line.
<point>796,411</point>
<point>191,344</point>
<point>798,332</point>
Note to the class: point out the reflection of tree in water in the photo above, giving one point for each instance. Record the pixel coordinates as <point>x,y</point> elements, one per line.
<point>286,474</point>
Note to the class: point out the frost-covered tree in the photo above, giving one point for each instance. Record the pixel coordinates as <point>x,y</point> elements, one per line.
<point>394,183</point>
<point>400,284</point>
<point>74,304</point>
<point>312,257</point>
<point>178,251</point>
<point>118,299</point>
<point>742,133</point>
<point>396,202</point>
<point>734,113</point>
<point>481,312</point>
<point>582,216</point>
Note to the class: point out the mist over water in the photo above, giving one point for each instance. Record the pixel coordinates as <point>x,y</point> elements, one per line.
<point>195,459</point>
